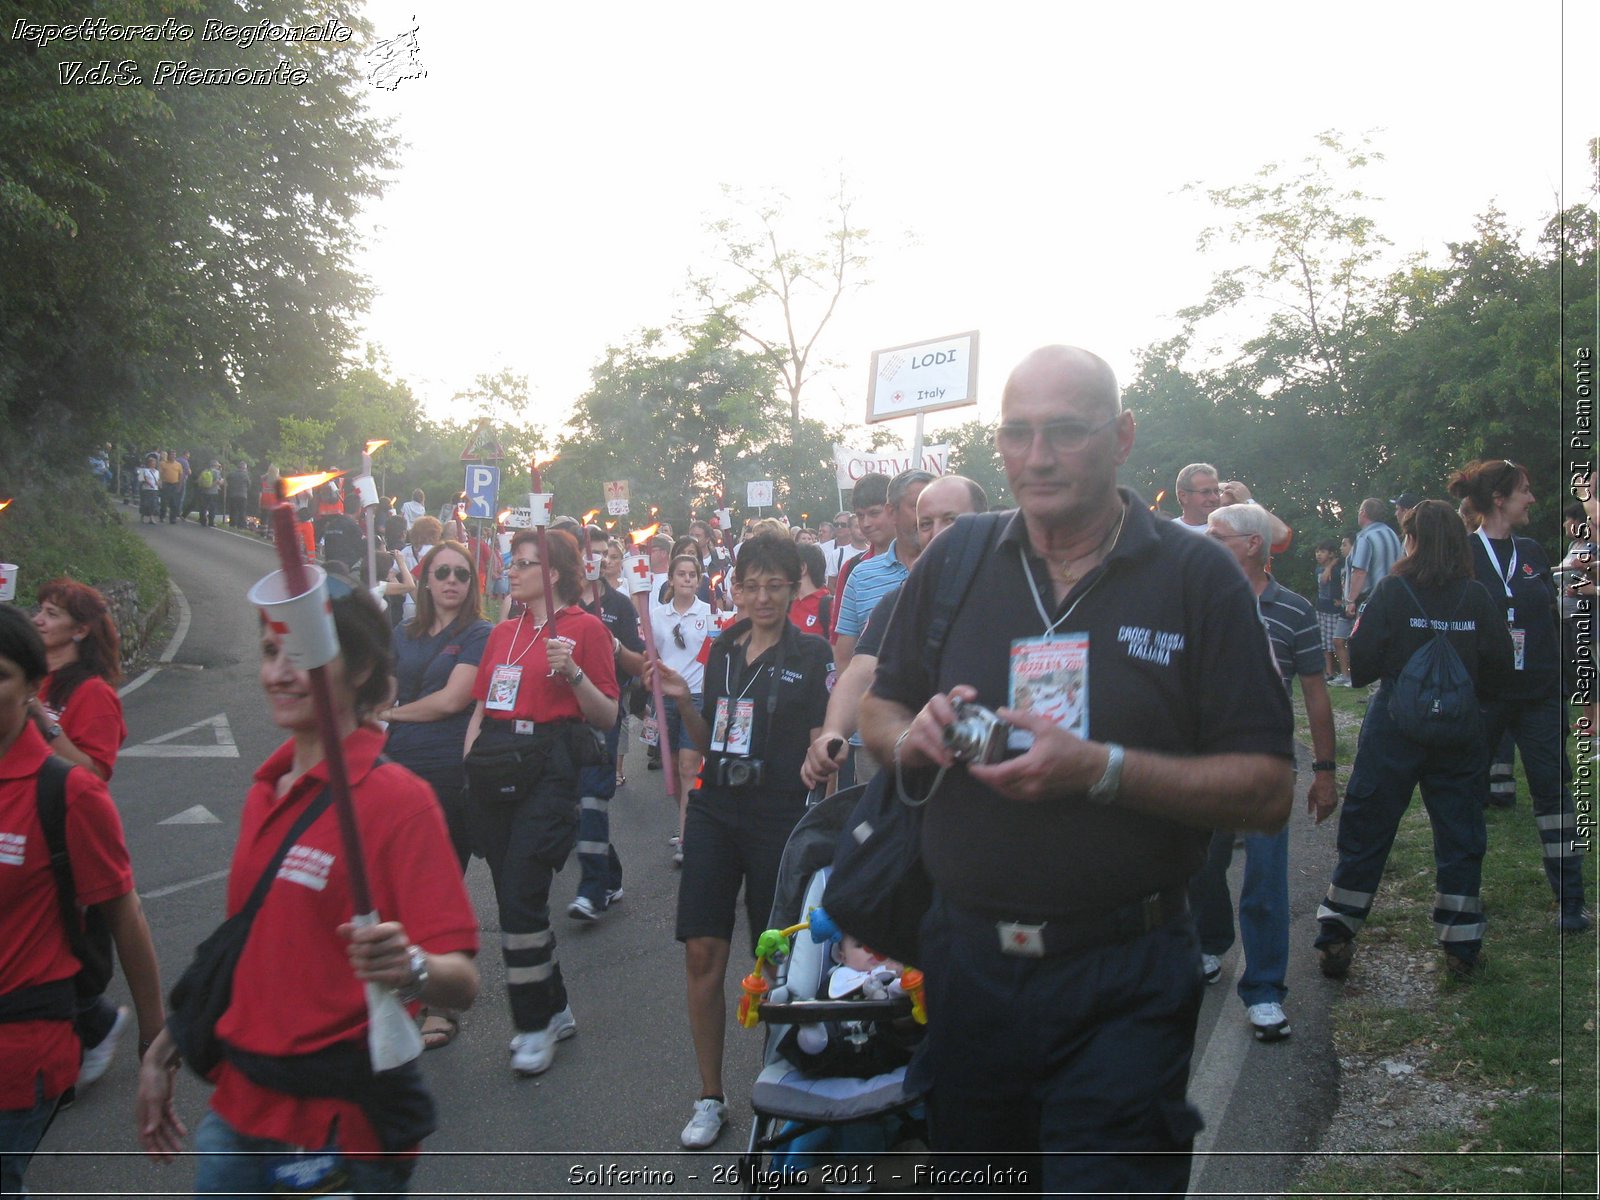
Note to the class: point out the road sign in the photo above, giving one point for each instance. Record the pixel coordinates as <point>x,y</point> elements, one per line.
<point>906,380</point>
<point>483,445</point>
<point>483,491</point>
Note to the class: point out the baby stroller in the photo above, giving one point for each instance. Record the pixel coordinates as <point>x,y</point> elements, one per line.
<point>797,1108</point>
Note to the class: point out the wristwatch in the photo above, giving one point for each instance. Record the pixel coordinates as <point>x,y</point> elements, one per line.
<point>1324,765</point>
<point>1108,785</point>
<point>51,731</point>
<point>576,679</point>
<point>417,961</point>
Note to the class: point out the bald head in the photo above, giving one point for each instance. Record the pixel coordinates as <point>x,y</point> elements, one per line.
<point>945,499</point>
<point>1072,373</point>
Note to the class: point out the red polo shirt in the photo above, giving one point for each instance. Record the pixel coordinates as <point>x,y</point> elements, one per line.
<point>33,944</point>
<point>294,991</point>
<point>92,720</point>
<point>539,696</point>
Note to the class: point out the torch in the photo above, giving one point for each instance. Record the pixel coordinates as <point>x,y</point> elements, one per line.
<point>592,561</point>
<point>542,504</point>
<point>636,570</point>
<point>367,490</point>
<point>8,571</point>
<point>295,602</point>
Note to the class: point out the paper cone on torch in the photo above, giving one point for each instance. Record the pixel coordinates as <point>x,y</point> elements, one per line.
<point>636,570</point>
<point>8,581</point>
<point>540,505</point>
<point>295,598</point>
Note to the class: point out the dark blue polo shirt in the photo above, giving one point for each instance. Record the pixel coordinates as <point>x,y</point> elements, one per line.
<point>1177,664</point>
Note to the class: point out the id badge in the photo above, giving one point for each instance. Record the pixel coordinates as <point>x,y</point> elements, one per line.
<point>1050,677</point>
<point>741,728</point>
<point>719,726</point>
<point>503,685</point>
<point>317,1173</point>
<point>650,732</point>
<point>1519,639</point>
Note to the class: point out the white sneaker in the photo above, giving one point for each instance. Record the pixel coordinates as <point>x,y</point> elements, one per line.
<point>97,1059</point>
<point>705,1126</point>
<point>1339,681</point>
<point>1212,966</point>
<point>677,857</point>
<point>613,896</point>
<point>533,1052</point>
<point>583,909</point>
<point>1268,1022</point>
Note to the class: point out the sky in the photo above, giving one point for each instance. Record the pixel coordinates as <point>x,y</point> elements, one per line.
<point>1019,165</point>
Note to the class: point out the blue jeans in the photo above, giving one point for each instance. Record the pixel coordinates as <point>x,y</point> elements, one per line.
<point>233,1164</point>
<point>1539,728</point>
<point>1263,910</point>
<point>21,1130</point>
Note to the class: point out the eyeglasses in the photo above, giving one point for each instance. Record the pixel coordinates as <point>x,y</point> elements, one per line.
<point>677,636</point>
<point>1227,537</point>
<point>1063,437</point>
<point>523,564</point>
<point>1210,491</point>
<point>764,589</point>
<point>442,572</point>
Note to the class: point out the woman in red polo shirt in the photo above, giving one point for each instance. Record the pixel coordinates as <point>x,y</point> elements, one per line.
<point>546,691</point>
<point>39,1047</point>
<point>297,1105</point>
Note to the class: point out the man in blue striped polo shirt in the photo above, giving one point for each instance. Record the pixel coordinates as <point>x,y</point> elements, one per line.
<point>1291,627</point>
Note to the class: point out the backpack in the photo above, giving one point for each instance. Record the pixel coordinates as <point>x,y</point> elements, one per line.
<point>1434,701</point>
<point>87,931</point>
<point>825,614</point>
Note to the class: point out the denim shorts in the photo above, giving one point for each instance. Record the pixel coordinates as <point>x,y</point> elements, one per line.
<point>673,725</point>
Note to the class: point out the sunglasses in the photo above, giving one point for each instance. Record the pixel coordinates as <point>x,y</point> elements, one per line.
<point>462,574</point>
<point>677,636</point>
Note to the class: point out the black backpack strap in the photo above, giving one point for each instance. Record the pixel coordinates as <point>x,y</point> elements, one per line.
<point>258,896</point>
<point>967,544</point>
<point>825,612</point>
<point>51,798</point>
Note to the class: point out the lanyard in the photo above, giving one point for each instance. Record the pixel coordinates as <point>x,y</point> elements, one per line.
<point>1510,572</point>
<point>1051,626</point>
<point>727,679</point>
<point>537,629</point>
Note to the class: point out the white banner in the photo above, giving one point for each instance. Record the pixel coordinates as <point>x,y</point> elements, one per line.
<point>853,464</point>
<point>758,494</point>
<point>923,377</point>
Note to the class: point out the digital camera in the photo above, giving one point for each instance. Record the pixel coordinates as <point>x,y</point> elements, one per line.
<point>978,736</point>
<point>740,772</point>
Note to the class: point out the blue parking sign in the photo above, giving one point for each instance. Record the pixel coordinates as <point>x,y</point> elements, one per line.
<point>483,490</point>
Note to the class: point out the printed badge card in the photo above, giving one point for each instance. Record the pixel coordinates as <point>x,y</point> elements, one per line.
<point>1050,677</point>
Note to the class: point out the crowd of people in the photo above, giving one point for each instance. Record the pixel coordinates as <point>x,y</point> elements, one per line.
<point>483,692</point>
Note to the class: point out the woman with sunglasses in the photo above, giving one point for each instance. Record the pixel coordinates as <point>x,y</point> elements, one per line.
<point>40,1050</point>
<point>1532,709</point>
<point>546,690</point>
<point>296,1108</point>
<point>683,625</point>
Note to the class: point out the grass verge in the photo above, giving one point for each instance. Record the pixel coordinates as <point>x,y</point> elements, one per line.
<point>75,528</point>
<point>1517,1042</point>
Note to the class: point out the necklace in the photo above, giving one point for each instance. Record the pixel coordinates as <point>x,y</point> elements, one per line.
<point>1069,577</point>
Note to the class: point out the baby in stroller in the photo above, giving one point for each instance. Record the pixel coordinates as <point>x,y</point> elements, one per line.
<point>857,1048</point>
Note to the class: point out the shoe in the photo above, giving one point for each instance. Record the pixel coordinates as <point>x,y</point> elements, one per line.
<point>613,896</point>
<point>1268,1022</point>
<point>1339,681</point>
<point>653,764</point>
<point>533,1052</point>
<point>1212,966</point>
<point>674,840</point>
<point>1460,968</point>
<point>1335,958</point>
<point>677,857</point>
<point>705,1126</point>
<point>97,1059</point>
<point>583,909</point>
<point>1572,919</point>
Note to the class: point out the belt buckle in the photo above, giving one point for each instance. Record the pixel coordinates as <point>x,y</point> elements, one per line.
<point>523,726</point>
<point>1022,941</point>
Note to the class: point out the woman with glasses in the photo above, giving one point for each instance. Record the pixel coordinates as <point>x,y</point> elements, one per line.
<point>766,692</point>
<point>1532,709</point>
<point>436,657</point>
<point>682,625</point>
<point>546,690</point>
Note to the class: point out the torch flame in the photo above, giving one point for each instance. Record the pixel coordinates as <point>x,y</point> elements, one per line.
<point>4,504</point>
<point>641,536</point>
<point>293,485</point>
<point>540,464</point>
<point>374,444</point>
<point>1159,495</point>
<point>502,516</point>
<point>611,524</point>
<point>590,515</point>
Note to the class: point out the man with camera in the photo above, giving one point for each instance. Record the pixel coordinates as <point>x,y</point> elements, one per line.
<point>1059,952</point>
<point>764,692</point>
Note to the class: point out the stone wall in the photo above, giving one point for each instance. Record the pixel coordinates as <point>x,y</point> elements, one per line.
<point>136,627</point>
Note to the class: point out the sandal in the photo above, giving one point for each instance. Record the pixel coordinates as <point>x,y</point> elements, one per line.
<point>439,1028</point>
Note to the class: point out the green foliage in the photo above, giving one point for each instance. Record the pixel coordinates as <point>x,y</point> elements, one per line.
<point>973,454</point>
<point>70,526</point>
<point>175,249</point>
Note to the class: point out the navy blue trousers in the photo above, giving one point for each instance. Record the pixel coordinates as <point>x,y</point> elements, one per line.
<point>1539,728</point>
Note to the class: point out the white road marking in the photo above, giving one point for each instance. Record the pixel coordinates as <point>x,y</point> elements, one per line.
<point>157,893</point>
<point>198,815</point>
<point>1214,1079</point>
<point>222,745</point>
<point>170,652</point>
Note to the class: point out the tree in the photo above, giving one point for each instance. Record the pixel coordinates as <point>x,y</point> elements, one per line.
<point>973,454</point>
<point>783,298</point>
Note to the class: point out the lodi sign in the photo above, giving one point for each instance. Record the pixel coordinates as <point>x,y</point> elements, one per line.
<point>906,380</point>
<point>851,465</point>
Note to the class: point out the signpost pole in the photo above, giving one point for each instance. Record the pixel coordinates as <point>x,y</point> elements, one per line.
<point>916,444</point>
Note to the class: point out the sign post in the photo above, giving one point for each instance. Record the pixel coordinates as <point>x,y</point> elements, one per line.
<point>920,378</point>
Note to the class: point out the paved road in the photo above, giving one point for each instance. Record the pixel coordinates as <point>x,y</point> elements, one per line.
<point>620,1091</point>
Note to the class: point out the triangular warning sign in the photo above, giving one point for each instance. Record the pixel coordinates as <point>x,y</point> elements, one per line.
<point>220,744</point>
<point>483,445</point>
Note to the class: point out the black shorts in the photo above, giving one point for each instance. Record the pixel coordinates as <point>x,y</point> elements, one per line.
<point>732,837</point>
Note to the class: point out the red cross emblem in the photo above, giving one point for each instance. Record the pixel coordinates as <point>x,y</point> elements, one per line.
<point>277,627</point>
<point>641,568</point>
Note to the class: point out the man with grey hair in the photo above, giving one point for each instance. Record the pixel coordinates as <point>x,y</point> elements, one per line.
<point>1377,549</point>
<point>1058,949</point>
<point>1200,493</point>
<point>1291,625</point>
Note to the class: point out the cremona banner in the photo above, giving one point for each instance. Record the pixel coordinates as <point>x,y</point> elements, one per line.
<point>853,464</point>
